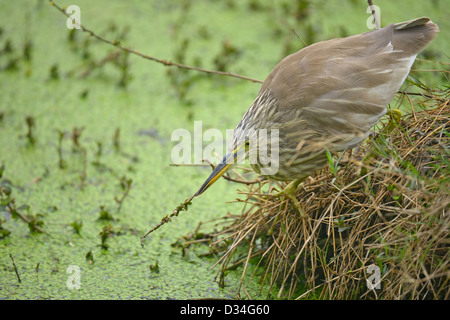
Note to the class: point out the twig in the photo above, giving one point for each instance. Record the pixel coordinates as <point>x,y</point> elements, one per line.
<point>116,139</point>
<point>429,70</point>
<point>433,61</point>
<point>375,17</point>
<point>188,165</point>
<point>14,211</point>
<point>83,174</point>
<point>182,207</point>
<point>15,268</point>
<point>61,162</point>
<point>209,164</point>
<point>126,184</point>
<point>110,57</point>
<point>166,63</point>
<point>226,176</point>
<point>30,125</point>
<point>304,43</point>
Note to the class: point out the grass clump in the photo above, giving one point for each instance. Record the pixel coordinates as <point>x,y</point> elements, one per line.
<point>384,206</point>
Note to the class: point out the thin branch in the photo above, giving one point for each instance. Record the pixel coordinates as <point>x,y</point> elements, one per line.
<point>182,207</point>
<point>15,268</point>
<point>433,61</point>
<point>188,165</point>
<point>295,33</point>
<point>375,17</point>
<point>166,63</point>
<point>429,70</point>
<point>226,176</point>
<point>126,185</point>
<point>14,211</point>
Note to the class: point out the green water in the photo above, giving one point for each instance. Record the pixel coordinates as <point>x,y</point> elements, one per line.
<point>146,111</point>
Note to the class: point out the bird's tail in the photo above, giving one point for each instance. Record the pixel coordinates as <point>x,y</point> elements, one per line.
<point>414,35</point>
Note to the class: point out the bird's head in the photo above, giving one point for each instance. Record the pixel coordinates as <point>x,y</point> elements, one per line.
<point>237,152</point>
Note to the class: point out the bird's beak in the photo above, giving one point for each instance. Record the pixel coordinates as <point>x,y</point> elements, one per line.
<point>227,162</point>
<point>216,174</point>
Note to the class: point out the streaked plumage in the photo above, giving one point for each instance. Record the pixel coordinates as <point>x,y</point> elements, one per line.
<point>328,96</point>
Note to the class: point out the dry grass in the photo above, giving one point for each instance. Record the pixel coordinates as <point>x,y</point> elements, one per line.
<point>387,205</point>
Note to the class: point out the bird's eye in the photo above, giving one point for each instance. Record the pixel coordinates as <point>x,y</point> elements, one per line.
<point>247,143</point>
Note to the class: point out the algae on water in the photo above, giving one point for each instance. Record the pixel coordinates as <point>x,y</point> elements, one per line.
<point>85,136</point>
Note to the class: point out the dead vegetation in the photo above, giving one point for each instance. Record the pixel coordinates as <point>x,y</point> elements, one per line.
<point>386,205</point>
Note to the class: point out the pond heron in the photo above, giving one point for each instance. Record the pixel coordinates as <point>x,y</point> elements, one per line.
<point>325,97</point>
